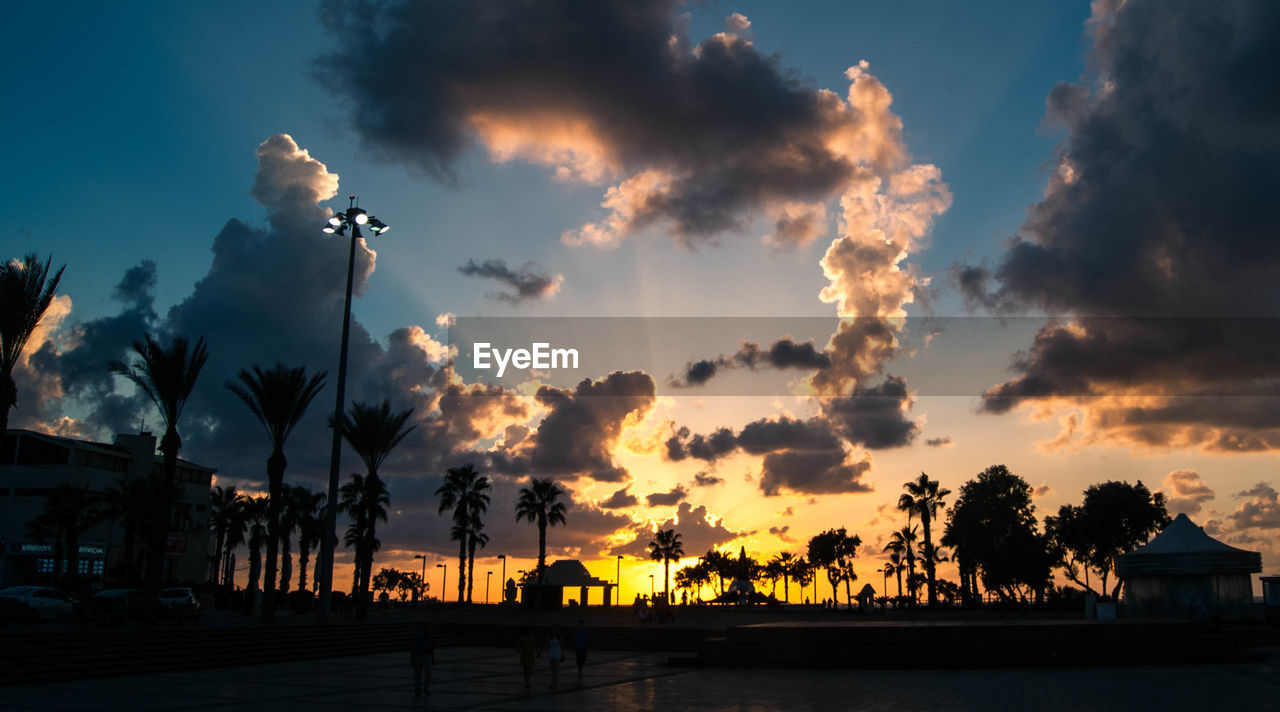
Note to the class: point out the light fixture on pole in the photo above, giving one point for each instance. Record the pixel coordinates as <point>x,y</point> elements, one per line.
<point>338,224</point>
<point>617,580</point>
<point>651,591</point>
<point>503,583</point>
<point>424,568</point>
<point>444,580</point>
<point>488,576</point>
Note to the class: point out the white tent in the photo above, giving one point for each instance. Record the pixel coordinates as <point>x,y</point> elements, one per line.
<point>1184,572</point>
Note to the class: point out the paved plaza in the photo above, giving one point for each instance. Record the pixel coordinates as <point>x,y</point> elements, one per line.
<point>489,679</point>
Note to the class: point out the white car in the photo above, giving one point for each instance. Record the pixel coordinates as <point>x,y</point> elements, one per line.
<point>42,601</point>
<point>181,602</point>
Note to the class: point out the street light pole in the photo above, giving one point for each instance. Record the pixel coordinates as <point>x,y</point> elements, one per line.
<point>444,579</point>
<point>617,580</point>
<point>488,576</point>
<point>424,569</point>
<point>502,585</point>
<point>352,218</point>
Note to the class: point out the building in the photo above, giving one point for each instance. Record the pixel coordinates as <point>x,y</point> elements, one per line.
<point>561,575</point>
<point>34,463</point>
<point>1183,572</point>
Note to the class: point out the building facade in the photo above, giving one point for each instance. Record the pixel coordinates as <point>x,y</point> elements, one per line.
<point>32,464</point>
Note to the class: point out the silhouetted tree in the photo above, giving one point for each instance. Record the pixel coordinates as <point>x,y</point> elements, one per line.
<point>223,503</point>
<point>834,550</point>
<point>167,376</point>
<point>993,525</point>
<point>720,564</point>
<point>903,543</point>
<point>785,561</point>
<point>923,497</point>
<point>256,514</point>
<point>666,547</point>
<point>1114,518</point>
<point>132,502</point>
<point>69,511</point>
<point>373,432</point>
<point>467,492</point>
<point>26,291</point>
<point>278,398</point>
<point>308,505</point>
<point>539,503</point>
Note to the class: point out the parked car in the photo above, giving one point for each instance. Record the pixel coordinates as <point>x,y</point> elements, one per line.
<point>41,602</point>
<point>181,603</point>
<point>118,605</point>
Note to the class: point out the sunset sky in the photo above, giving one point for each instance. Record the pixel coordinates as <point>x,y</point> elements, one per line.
<point>1044,225</point>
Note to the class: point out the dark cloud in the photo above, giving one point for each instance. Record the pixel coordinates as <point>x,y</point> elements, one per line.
<point>675,495</point>
<point>530,282</point>
<point>577,436</point>
<point>619,499</point>
<point>1262,511</point>
<point>1042,491</point>
<point>275,294</point>
<point>697,534</point>
<point>782,533</point>
<point>813,472</point>
<point>74,369</point>
<point>782,354</point>
<point>943,441</point>
<point>682,445</point>
<point>1158,231</point>
<point>700,137</point>
<point>873,416</point>
<point>1185,492</point>
<point>785,433</point>
<point>706,479</point>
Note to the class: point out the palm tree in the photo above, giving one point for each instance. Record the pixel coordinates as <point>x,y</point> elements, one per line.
<point>720,564</point>
<point>895,566</point>
<point>167,377</point>
<point>366,500</point>
<point>924,496</point>
<point>278,398</point>
<point>902,544</point>
<point>256,515</point>
<point>223,503</point>
<point>373,432</point>
<point>666,548</point>
<point>308,505</point>
<point>785,561</point>
<point>26,291</point>
<point>69,511</point>
<point>467,493</point>
<point>538,503</point>
<point>288,522</point>
<point>131,502</point>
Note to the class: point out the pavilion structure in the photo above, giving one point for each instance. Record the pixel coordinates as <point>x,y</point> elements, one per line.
<point>1185,573</point>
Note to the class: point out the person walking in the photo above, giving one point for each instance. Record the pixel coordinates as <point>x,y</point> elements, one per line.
<point>580,637</point>
<point>555,654</point>
<point>526,652</point>
<point>422,655</point>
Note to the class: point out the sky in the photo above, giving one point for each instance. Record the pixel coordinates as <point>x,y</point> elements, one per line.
<point>916,236</point>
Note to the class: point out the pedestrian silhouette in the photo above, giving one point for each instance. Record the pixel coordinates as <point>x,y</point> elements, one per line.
<point>422,655</point>
<point>555,654</point>
<point>526,652</point>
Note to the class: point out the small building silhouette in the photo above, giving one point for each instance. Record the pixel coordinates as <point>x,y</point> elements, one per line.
<point>1184,572</point>
<point>566,573</point>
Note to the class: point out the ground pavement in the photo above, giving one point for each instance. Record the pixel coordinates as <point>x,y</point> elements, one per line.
<point>488,679</point>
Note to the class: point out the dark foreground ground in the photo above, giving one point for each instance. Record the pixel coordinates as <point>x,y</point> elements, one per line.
<point>487,679</point>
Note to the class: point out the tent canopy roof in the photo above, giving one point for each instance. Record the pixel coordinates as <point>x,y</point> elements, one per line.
<point>1184,548</point>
